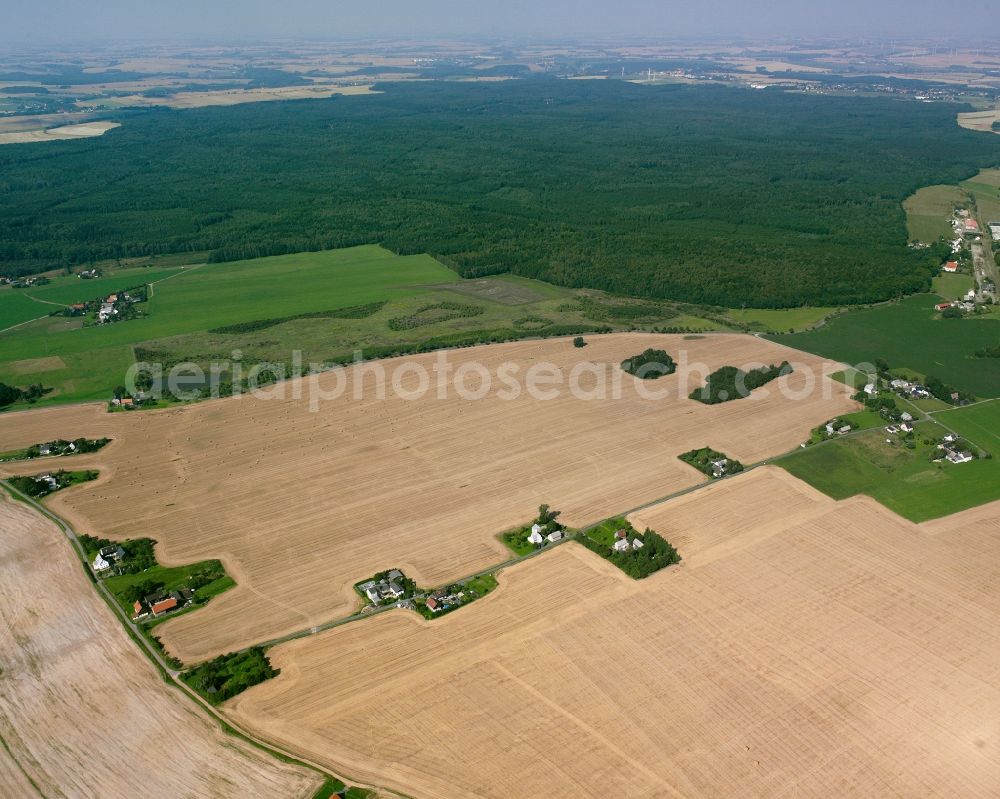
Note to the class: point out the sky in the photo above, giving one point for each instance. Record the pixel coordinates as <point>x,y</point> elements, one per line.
<point>27,22</point>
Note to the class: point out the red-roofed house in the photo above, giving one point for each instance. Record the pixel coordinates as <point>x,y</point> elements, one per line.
<point>942,306</point>
<point>971,226</point>
<point>163,606</point>
<point>951,266</point>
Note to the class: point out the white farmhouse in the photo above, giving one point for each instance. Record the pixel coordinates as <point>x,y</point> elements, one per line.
<point>621,545</point>
<point>535,537</point>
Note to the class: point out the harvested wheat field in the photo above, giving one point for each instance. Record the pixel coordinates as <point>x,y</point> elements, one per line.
<point>839,652</point>
<point>82,712</point>
<point>81,131</point>
<point>299,506</point>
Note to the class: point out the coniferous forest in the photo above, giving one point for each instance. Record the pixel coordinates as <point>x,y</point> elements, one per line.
<point>704,194</point>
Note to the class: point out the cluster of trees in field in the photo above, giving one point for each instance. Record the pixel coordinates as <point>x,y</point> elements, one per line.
<point>11,394</point>
<point>650,364</point>
<point>946,392</point>
<point>61,446</point>
<point>227,675</point>
<point>37,487</point>
<point>730,383</point>
<point>656,553</point>
<point>704,459</point>
<point>706,194</point>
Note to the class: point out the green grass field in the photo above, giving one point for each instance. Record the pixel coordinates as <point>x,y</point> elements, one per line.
<point>86,362</point>
<point>953,286</point>
<point>985,187</point>
<point>905,481</point>
<point>980,424</point>
<point>781,321</point>
<point>929,212</point>
<point>196,299</point>
<point>17,307</point>
<point>910,335</point>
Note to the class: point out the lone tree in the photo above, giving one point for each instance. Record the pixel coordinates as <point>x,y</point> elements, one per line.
<point>579,342</point>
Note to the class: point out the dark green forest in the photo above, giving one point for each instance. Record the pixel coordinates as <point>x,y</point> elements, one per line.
<point>704,194</point>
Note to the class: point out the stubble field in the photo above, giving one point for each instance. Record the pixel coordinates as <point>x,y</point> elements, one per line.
<point>299,506</point>
<point>803,647</point>
<point>82,712</point>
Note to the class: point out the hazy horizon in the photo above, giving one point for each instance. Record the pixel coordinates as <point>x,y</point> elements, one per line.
<point>54,21</point>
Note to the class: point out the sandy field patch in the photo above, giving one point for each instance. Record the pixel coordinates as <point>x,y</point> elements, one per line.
<point>979,120</point>
<point>843,653</point>
<point>82,712</point>
<point>31,366</point>
<point>238,96</point>
<point>299,506</point>
<point>30,122</point>
<point>81,131</point>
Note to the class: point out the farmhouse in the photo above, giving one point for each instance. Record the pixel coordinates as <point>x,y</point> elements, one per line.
<point>48,480</point>
<point>835,428</point>
<point>971,226</point>
<point>554,536</point>
<point>871,389</point>
<point>388,587</point>
<point>621,545</point>
<point>158,608</point>
<point>535,537</point>
<point>951,266</point>
<point>433,605</point>
<point>108,557</point>
<point>954,456</point>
